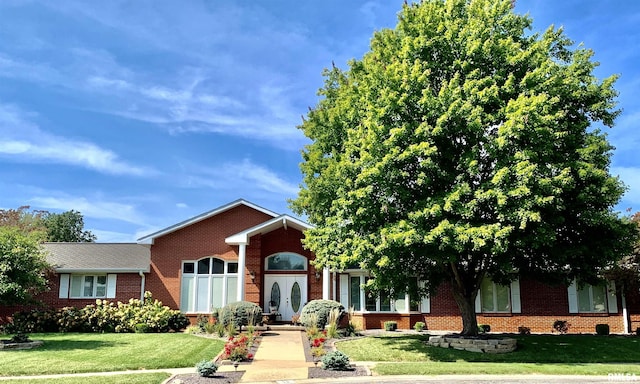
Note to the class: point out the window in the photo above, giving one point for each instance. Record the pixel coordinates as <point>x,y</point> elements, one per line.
<point>592,298</point>
<point>372,301</point>
<point>208,283</point>
<point>494,297</point>
<point>286,261</point>
<point>88,286</point>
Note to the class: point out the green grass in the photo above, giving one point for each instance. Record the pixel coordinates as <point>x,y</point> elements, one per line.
<point>544,354</point>
<point>93,352</point>
<point>138,378</point>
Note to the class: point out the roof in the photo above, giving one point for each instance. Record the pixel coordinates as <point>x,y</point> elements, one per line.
<point>268,226</point>
<point>98,257</point>
<point>150,238</point>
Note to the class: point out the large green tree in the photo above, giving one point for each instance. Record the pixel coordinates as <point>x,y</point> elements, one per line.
<point>463,146</point>
<point>67,227</point>
<point>23,267</point>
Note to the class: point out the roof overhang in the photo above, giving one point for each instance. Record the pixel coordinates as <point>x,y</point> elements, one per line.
<point>102,270</point>
<point>283,221</point>
<point>149,239</point>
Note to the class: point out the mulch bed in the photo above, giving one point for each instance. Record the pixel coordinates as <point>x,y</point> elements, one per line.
<point>219,378</point>
<point>320,373</point>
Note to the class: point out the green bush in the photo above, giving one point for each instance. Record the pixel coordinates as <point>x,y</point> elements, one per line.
<point>419,326</point>
<point>484,328</point>
<point>103,316</point>
<point>336,361</point>
<point>390,325</point>
<point>20,338</point>
<point>602,329</point>
<point>241,313</point>
<point>206,368</point>
<point>524,330</point>
<point>322,308</point>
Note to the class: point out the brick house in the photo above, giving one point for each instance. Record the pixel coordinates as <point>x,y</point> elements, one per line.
<point>241,251</point>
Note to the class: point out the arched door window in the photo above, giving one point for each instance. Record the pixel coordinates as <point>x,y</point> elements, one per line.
<point>286,261</point>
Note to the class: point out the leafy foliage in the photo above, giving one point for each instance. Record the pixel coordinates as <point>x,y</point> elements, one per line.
<point>67,227</point>
<point>319,311</point>
<point>103,316</point>
<point>23,268</point>
<point>241,313</point>
<point>459,147</point>
<point>561,326</point>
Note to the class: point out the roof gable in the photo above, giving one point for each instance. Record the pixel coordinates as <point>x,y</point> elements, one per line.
<point>149,239</point>
<point>266,227</point>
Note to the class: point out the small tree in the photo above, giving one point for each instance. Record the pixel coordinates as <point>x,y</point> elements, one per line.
<point>23,267</point>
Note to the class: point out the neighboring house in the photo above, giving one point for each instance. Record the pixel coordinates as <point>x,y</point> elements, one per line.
<point>241,251</point>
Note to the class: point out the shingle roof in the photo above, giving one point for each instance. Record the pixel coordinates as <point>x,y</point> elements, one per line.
<point>104,257</point>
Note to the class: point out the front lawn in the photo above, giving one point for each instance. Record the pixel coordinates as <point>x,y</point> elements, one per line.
<point>546,354</point>
<point>137,378</point>
<point>94,352</point>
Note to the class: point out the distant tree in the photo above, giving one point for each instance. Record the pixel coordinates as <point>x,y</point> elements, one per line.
<point>67,227</point>
<point>23,267</point>
<point>460,147</point>
<point>23,219</point>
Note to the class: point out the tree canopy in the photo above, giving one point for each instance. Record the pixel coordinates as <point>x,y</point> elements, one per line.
<point>463,146</point>
<point>55,227</point>
<point>23,267</point>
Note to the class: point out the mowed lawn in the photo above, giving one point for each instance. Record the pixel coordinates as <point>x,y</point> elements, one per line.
<point>138,378</point>
<point>543,354</point>
<point>94,352</point>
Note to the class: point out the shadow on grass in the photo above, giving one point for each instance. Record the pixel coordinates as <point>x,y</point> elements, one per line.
<point>567,349</point>
<point>70,345</point>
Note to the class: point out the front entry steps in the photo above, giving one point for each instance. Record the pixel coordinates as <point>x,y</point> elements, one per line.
<point>284,327</point>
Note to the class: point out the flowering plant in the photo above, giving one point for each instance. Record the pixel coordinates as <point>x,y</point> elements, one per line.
<point>318,341</point>
<point>237,348</point>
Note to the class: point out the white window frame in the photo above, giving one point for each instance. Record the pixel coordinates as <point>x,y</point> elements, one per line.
<point>495,299</point>
<point>94,277</point>
<point>423,305</point>
<point>611,302</point>
<point>225,275</point>
<point>592,309</point>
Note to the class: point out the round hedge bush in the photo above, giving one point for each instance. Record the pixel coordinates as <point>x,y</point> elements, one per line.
<point>241,313</point>
<point>322,308</point>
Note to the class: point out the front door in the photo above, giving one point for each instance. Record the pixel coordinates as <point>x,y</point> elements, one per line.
<point>286,293</point>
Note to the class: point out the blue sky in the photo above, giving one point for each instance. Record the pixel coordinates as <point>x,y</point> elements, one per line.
<point>143,114</point>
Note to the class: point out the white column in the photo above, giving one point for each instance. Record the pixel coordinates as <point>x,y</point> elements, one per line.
<point>363,297</point>
<point>242,255</point>
<point>325,283</point>
<point>333,293</point>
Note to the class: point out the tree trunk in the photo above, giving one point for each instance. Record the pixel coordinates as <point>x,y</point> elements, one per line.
<point>467,305</point>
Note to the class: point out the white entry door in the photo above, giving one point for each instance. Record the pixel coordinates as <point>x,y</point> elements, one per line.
<point>287,293</point>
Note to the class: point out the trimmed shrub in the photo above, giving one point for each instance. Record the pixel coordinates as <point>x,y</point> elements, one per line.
<point>602,329</point>
<point>20,338</point>
<point>484,328</point>
<point>322,308</point>
<point>241,313</point>
<point>638,331</point>
<point>390,325</point>
<point>524,330</point>
<point>206,368</point>
<point>336,361</point>
<point>419,326</point>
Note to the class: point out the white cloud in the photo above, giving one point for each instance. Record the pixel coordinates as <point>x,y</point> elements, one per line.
<point>112,237</point>
<point>631,177</point>
<point>242,176</point>
<point>93,208</point>
<point>181,205</point>
<point>24,140</point>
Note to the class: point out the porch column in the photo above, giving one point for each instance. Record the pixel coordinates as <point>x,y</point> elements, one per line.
<point>242,255</point>
<point>325,283</point>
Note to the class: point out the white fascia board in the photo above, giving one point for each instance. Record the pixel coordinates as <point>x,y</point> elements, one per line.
<point>101,270</point>
<point>150,238</point>
<point>266,227</point>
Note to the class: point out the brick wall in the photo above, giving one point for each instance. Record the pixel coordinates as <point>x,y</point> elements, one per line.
<point>541,305</point>
<point>204,238</point>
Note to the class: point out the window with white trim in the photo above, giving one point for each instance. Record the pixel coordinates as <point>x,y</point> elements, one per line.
<point>381,301</point>
<point>592,299</point>
<point>208,283</point>
<point>88,286</point>
<point>494,298</point>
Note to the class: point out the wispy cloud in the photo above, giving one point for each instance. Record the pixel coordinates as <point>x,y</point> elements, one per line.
<point>23,140</point>
<point>92,208</point>
<point>242,176</point>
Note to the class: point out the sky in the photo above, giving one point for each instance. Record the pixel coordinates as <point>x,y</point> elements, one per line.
<point>141,114</point>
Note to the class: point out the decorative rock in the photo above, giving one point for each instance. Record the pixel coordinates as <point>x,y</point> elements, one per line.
<point>474,345</point>
<point>17,346</point>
